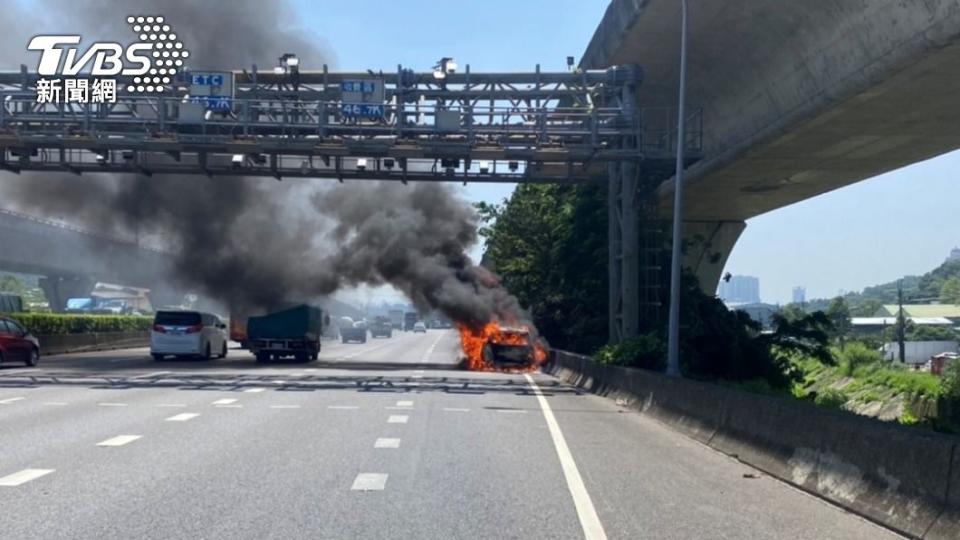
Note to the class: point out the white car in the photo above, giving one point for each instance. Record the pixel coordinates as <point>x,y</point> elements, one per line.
<point>188,333</point>
<point>420,327</point>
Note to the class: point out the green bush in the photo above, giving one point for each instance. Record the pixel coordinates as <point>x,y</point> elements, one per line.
<point>55,323</point>
<point>646,351</point>
<point>856,355</point>
<point>831,398</point>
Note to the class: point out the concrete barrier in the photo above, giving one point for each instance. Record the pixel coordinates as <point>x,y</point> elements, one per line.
<point>68,343</point>
<point>904,478</point>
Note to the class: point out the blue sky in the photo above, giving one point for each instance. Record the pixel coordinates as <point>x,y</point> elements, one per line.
<point>903,222</point>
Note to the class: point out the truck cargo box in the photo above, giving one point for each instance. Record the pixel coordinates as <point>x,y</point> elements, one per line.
<point>300,322</point>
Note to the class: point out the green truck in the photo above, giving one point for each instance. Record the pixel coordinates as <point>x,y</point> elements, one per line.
<point>291,333</point>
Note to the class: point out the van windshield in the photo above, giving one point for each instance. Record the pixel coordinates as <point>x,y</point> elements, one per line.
<point>177,318</point>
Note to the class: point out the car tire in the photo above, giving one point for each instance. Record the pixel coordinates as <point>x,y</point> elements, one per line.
<point>34,358</point>
<point>157,357</point>
<point>207,353</point>
<point>344,339</point>
<point>223,353</point>
<point>262,357</point>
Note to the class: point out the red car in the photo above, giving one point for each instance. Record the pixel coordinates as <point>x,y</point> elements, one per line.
<point>17,344</point>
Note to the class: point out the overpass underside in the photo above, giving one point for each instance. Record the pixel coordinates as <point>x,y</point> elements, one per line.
<point>798,98</point>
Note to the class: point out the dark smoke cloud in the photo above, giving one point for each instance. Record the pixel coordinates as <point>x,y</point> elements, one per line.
<point>256,242</point>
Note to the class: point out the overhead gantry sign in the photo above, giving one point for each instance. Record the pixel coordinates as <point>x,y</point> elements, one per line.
<point>430,126</point>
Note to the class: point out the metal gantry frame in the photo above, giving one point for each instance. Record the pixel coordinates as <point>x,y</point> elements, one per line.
<point>536,126</point>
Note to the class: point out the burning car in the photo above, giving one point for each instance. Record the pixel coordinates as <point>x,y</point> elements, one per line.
<point>501,348</point>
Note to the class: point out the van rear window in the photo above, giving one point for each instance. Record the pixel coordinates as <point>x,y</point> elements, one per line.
<point>177,318</point>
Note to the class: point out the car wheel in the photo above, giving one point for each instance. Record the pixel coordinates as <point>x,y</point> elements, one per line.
<point>207,354</point>
<point>344,340</point>
<point>34,357</point>
<point>262,357</point>
<point>223,353</point>
<point>157,357</point>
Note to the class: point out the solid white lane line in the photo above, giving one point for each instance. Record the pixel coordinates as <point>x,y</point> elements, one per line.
<point>224,401</point>
<point>119,440</point>
<point>171,405</point>
<point>343,407</point>
<point>455,409</point>
<point>24,476</point>
<point>10,400</point>
<point>369,482</point>
<point>254,390</point>
<point>398,419</point>
<point>387,443</point>
<point>404,404</point>
<point>182,417</point>
<point>54,403</point>
<point>108,404</point>
<point>284,406</point>
<point>589,521</point>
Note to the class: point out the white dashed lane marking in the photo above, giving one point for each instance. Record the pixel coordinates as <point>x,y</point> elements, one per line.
<point>404,404</point>
<point>10,400</point>
<point>182,417</point>
<point>224,401</point>
<point>23,477</point>
<point>254,390</point>
<point>54,403</point>
<point>369,482</point>
<point>387,443</point>
<point>119,440</point>
<point>343,407</point>
<point>171,405</point>
<point>112,404</point>
<point>455,409</point>
<point>398,419</point>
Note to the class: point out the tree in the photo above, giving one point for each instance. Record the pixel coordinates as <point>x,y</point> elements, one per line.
<point>950,291</point>
<point>548,243</point>
<point>839,315</point>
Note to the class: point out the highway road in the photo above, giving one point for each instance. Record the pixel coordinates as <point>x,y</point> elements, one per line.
<point>381,440</point>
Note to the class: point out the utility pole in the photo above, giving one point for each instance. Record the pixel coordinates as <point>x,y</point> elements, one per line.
<point>901,324</point>
<point>673,342</point>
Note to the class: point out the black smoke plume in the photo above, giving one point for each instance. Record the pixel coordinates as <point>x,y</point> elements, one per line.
<point>255,242</point>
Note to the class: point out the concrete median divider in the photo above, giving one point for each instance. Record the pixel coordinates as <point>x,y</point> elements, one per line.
<point>68,343</point>
<point>904,478</point>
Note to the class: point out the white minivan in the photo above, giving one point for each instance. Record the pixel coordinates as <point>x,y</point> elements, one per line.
<point>188,333</point>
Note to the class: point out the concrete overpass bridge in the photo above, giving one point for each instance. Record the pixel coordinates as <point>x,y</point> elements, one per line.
<point>72,260</point>
<point>798,98</point>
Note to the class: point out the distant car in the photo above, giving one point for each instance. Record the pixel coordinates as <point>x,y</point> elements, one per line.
<point>354,332</point>
<point>17,344</point>
<point>187,333</point>
<point>420,327</point>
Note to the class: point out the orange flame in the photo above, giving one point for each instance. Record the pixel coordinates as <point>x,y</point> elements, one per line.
<point>473,340</point>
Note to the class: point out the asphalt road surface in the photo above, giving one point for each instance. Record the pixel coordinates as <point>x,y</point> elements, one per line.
<point>381,440</point>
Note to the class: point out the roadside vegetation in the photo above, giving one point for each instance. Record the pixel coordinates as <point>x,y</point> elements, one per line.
<point>51,323</point>
<point>548,244</point>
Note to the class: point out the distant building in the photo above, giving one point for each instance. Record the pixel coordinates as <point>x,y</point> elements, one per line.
<point>799,295</point>
<point>869,326</point>
<point>954,255</point>
<point>949,311</point>
<point>740,290</point>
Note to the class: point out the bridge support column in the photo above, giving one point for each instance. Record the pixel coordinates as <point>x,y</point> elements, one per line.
<point>58,289</point>
<point>624,252</point>
<point>707,247</point>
